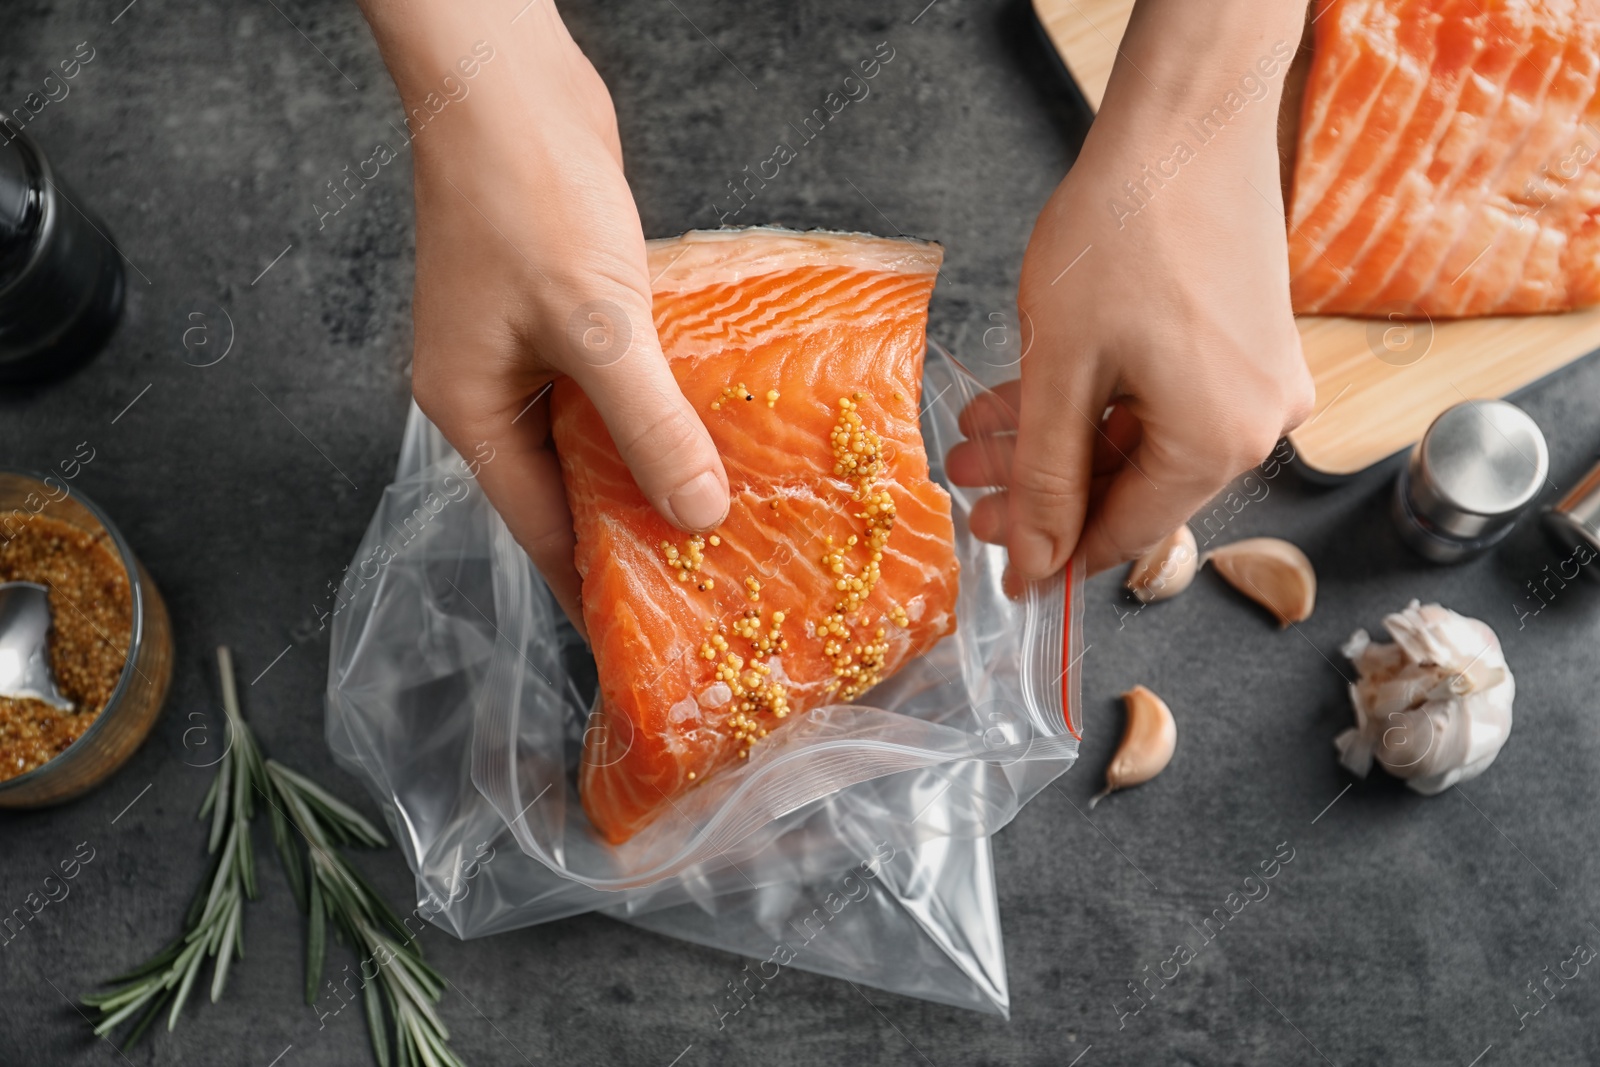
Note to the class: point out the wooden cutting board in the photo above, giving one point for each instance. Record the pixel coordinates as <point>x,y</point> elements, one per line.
<point>1379,383</point>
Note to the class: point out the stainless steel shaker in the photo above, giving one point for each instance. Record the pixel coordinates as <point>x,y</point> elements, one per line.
<point>1469,479</point>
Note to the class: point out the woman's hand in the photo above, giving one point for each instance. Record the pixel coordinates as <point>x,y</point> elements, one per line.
<point>1167,305</point>
<point>530,264</point>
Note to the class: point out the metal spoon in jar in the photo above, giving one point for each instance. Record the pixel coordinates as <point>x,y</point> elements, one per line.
<point>24,653</point>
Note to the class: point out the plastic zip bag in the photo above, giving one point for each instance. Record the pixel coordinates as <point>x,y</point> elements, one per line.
<point>459,695</point>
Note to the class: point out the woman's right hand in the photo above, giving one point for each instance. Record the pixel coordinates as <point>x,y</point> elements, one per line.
<point>1162,356</point>
<point>531,264</point>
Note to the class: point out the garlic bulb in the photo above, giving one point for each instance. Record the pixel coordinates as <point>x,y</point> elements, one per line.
<point>1272,572</point>
<point>1147,743</point>
<point>1434,707</point>
<point>1167,569</point>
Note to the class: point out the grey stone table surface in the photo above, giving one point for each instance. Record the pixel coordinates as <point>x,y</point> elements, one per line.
<point>1405,930</point>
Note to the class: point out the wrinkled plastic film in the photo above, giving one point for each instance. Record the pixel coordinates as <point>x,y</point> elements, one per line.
<point>457,693</point>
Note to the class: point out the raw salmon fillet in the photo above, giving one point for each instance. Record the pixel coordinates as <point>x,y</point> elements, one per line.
<point>802,352</point>
<point>1447,159</point>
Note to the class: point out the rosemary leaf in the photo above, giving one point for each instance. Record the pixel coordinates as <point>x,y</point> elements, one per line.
<point>379,908</point>
<point>112,1001</point>
<point>403,1042</point>
<point>425,976</point>
<point>219,813</point>
<point>211,798</point>
<point>144,1023</point>
<point>374,1006</point>
<point>289,857</point>
<point>223,877</point>
<point>229,938</point>
<point>418,999</point>
<point>112,1021</point>
<point>316,943</point>
<point>183,989</point>
<point>154,963</point>
<point>190,953</point>
<point>429,1055</point>
<point>337,811</point>
<point>241,779</point>
<point>421,966</point>
<point>198,902</point>
<point>247,864</point>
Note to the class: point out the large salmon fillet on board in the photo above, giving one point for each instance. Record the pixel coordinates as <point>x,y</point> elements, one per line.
<point>802,353</point>
<point>1449,159</point>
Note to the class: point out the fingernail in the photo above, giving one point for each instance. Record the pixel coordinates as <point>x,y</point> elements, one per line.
<point>1032,552</point>
<point>1011,583</point>
<point>700,503</point>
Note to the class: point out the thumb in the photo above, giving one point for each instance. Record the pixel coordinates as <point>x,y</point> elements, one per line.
<point>615,356</point>
<point>1050,476</point>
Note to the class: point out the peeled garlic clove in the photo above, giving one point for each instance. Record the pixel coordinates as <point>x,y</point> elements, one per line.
<point>1272,572</point>
<point>1167,569</point>
<point>1147,742</point>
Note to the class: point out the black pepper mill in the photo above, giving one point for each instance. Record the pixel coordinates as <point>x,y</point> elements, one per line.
<point>60,277</point>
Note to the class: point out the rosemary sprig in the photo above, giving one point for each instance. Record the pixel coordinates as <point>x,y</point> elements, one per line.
<point>213,926</point>
<point>402,985</point>
<point>308,826</point>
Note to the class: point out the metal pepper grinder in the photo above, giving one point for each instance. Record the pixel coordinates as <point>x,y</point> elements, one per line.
<point>1575,523</point>
<point>60,277</point>
<point>1469,479</point>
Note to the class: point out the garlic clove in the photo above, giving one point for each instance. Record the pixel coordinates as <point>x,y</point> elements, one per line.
<point>1148,740</point>
<point>1272,572</point>
<point>1167,569</point>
